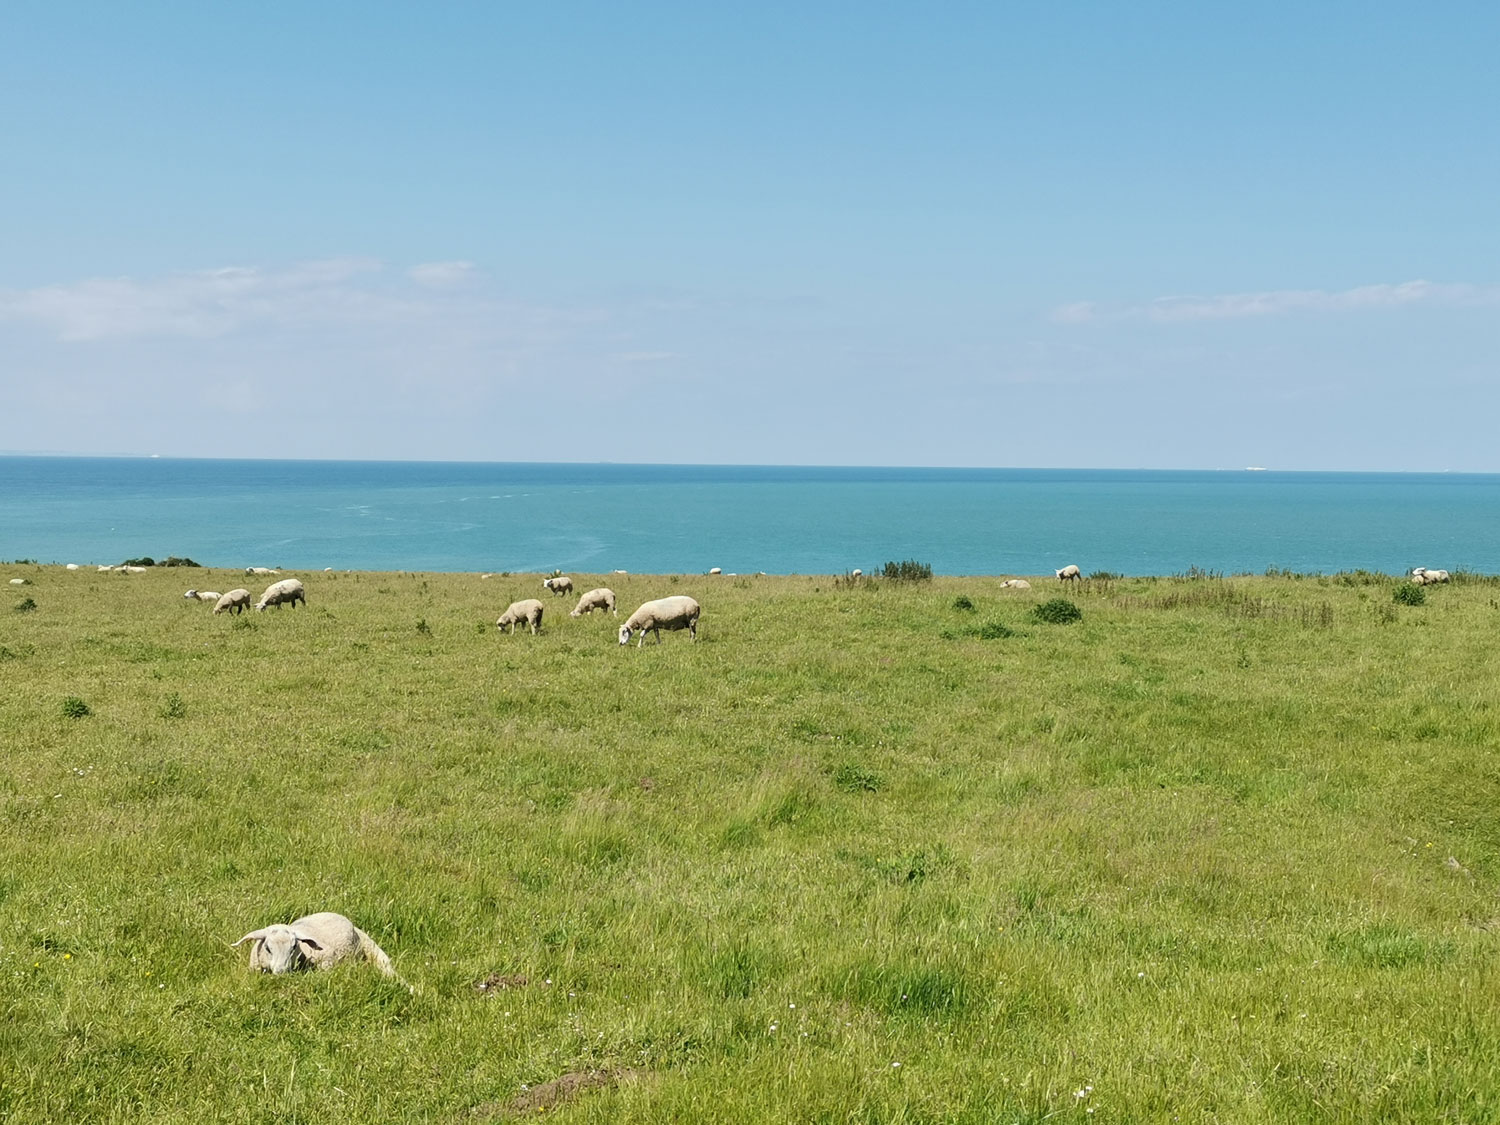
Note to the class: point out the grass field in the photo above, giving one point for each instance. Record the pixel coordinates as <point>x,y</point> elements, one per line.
<point>1223,850</point>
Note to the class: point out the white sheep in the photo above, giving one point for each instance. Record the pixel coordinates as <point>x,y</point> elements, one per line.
<point>1015,584</point>
<point>131,569</point>
<point>602,598</point>
<point>527,611</point>
<point>260,571</point>
<point>715,570</point>
<point>203,595</point>
<point>18,581</point>
<point>315,941</point>
<point>1069,573</point>
<point>279,593</point>
<point>856,573</point>
<point>105,569</point>
<point>679,612</point>
<point>237,600</point>
<point>562,584</point>
<point>1432,576</point>
<point>72,566</point>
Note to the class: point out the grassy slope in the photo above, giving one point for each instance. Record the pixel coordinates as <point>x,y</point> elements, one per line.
<point>1187,857</point>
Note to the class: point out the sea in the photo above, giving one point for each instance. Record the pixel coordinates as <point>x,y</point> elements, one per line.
<point>596,518</point>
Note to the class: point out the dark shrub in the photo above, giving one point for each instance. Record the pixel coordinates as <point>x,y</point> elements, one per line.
<point>1409,593</point>
<point>994,631</point>
<point>173,560</point>
<point>908,570</point>
<point>144,560</point>
<point>75,708</point>
<point>1059,611</point>
<point>963,602</point>
<point>25,605</point>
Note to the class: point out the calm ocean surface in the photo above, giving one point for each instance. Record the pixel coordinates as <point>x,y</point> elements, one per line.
<point>668,518</point>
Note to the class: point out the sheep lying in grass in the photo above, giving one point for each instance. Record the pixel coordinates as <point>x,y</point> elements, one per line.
<point>1015,584</point>
<point>203,595</point>
<point>316,941</point>
<point>287,590</point>
<point>1069,573</point>
<point>679,612</point>
<point>562,584</point>
<point>1424,576</point>
<point>237,600</point>
<point>602,598</point>
<point>260,571</point>
<point>528,612</point>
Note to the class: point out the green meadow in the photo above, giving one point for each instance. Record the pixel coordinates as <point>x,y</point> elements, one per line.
<point>1223,850</point>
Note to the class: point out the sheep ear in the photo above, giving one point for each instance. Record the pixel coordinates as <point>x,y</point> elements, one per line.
<point>253,935</point>
<point>308,940</point>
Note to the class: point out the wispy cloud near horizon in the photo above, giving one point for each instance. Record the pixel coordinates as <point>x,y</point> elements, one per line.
<point>1280,302</point>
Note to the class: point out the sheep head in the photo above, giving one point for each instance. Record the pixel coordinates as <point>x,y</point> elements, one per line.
<point>280,948</point>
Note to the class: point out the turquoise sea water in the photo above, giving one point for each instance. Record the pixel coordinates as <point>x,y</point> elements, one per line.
<point>782,520</point>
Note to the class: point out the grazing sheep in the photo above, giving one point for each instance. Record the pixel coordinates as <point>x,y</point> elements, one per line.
<point>260,571</point>
<point>287,590</point>
<point>1069,573</point>
<point>528,611</point>
<point>679,612</point>
<point>715,570</point>
<point>1015,584</point>
<point>72,566</point>
<point>856,573</point>
<point>602,598</point>
<point>1429,576</point>
<point>237,600</point>
<point>562,584</point>
<point>203,595</point>
<point>316,941</point>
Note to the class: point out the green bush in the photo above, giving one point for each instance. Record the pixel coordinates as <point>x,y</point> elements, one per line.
<point>75,708</point>
<point>1059,611</point>
<point>25,605</point>
<point>1409,593</point>
<point>144,560</point>
<point>994,631</point>
<point>909,570</point>
<point>963,601</point>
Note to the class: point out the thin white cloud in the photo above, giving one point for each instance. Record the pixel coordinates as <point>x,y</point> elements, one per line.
<point>1280,302</point>
<point>442,275</point>
<point>200,304</point>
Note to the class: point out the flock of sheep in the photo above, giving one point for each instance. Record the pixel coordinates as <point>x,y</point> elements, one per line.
<point>678,612</point>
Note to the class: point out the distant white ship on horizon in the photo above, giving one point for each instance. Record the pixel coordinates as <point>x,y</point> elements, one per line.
<point>1255,468</point>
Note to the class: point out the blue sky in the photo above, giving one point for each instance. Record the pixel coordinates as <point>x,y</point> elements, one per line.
<point>1164,235</point>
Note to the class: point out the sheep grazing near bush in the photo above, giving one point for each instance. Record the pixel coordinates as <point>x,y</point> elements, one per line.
<point>203,595</point>
<point>316,941</point>
<point>602,599</point>
<point>561,584</point>
<point>279,593</point>
<point>679,612</point>
<point>237,600</point>
<point>527,612</point>
<point>1069,573</point>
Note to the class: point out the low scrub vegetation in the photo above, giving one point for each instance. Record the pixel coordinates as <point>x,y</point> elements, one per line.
<point>1225,851</point>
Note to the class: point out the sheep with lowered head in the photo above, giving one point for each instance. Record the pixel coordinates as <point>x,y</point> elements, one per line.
<point>1069,573</point>
<point>528,612</point>
<point>237,600</point>
<point>315,941</point>
<point>678,612</point>
<point>602,598</point>
<point>278,593</point>
<point>203,595</point>
<point>561,584</point>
